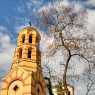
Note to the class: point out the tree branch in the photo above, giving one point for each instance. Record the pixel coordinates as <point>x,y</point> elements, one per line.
<point>82,57</point>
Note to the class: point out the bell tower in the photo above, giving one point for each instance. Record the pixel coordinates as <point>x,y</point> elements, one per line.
<point>27,54</point>
<point>25,76</point>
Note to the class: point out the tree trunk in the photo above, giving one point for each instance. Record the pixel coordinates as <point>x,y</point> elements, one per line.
<point>65,73</point>
<point>67,62</point>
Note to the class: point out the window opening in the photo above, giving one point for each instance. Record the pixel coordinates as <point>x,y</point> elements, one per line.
<point>23,38</point>
<point>30,38</point>
<point>15,88</point>
<point>29,53</point>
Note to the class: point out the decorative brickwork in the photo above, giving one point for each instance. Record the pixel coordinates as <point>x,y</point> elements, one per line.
<point>25,76</point>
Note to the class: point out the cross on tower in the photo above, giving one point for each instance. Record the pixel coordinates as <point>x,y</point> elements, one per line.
<point>30,24</point>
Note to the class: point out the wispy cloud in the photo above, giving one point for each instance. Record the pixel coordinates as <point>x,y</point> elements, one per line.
<point>91,2</point>
<point>91,22</point>
<point>45,41</point>
<point>7,48</point>
<point>36,3</point>
<point>30,6</point>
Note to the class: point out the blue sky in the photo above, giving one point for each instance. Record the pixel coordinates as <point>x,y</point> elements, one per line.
<point>15,14</point>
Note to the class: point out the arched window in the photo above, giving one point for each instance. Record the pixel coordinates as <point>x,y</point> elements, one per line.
<point>29,53</point>
<point>15,88</point>
<point>23,38</point>
<point>20,53</point>
<point>30,38</point>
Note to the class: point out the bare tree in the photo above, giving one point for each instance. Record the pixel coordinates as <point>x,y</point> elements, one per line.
<point>68,27</point>
<point>49,80</point>
<point>49,75</point>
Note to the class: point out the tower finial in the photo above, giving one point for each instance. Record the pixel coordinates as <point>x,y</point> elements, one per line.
<point>30,24</point>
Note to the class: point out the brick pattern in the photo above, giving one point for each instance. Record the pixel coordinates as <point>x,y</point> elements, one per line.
<point>25,73</point>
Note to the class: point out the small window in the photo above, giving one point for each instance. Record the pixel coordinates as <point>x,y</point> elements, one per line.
<point>30,38</point>
<point>23,38</point>
<point>29,53</point>
<point>38,91</point>
<point>20,53</point>
<point>16,88</point>
<point>69,93</point>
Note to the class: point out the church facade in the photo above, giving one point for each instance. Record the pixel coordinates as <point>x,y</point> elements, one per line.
<point>25,76</point>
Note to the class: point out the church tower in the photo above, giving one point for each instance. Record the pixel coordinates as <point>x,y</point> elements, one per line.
<point>25,76</point>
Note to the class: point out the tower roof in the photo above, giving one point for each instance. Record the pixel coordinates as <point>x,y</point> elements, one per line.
<point>31,30</point>
<point>26,31</point>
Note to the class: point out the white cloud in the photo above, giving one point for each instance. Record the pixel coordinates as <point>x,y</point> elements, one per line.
<point>45,41</point>
<point>80,89</point>
<point>57,4</point>
<point>35,1</point>
<point>6,58</point>
<point>31,4</point>
<point>79,65</point>
<point>2,28</point>
<point>18,28</point>
<point>7,49</point>
<point>46,7</point>
<point>92,2</point>
<point>91,22</point>
<point>20,9</point>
